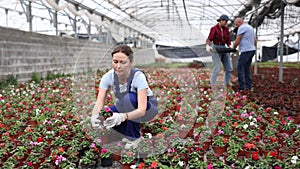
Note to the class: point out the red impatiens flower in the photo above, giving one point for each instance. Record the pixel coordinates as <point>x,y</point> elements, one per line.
<point>273,139</point>
<point>255,156</point>
<point>164,128</point>
<point>268,109</point>
<point>141,165</point>
<point>198,148</point>
<point>61,150</point>
<point>129,153</point>
<point>273,153</point>
<point>283,122</point>
<point>154,164</point>
<point>39,139</point>
<point>235,124</point>
<point>250,146</point>
<point>29,163</point>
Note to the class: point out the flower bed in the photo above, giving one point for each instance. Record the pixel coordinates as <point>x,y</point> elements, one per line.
<point>47,125</point>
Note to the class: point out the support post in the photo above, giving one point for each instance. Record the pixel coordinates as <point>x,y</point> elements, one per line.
<point>281,43</point>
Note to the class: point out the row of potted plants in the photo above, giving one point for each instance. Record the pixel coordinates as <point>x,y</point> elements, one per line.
<point>47,125</point>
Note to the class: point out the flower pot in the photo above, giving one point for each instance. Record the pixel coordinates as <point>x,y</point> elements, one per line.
<point>126,166</point>
<point>107,162</point>
<point>206,145</point>
<point>116,157</point>
<point>219,150</point>
<point>183,134</point>
<point>47,150</point>
<point>107,138</point>
<point>91,165</point>
<point>197,125</point>
<point>184,157</point>
<point>166,163</point>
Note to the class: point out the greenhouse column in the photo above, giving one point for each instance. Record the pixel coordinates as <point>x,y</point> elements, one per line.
<point>281,43</point>
<point>298,47</point>
<point>29,16</point>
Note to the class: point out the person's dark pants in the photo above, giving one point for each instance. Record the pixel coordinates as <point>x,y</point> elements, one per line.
<point>131,128</point>
<point>244,70</point>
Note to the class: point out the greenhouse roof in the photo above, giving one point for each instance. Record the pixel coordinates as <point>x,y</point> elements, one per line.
<point>187,21</point>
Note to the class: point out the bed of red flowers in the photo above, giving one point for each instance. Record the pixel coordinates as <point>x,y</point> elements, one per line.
<point>270,92</point>
<point>47,125</point>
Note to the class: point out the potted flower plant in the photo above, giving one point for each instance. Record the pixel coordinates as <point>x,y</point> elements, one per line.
<point>287,125</point>
<point>127,159</point>
<point>11,162</point>
<point>106,112</point>
<point>88,159</point>
<point>218,144</point>
<point>106,157</point>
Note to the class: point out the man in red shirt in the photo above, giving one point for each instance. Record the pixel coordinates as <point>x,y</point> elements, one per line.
<point>219,37</point>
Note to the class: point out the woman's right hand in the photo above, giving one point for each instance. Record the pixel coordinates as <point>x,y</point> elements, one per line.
<point>115,120</point>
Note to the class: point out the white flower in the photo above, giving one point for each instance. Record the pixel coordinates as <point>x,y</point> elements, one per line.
<point>250,117</point>
<point>133,166</point>
<point>294,159</point>
<point>275,112</point>
<point>181,163</point>
<point>149,135</point>
<point>245,126</point>
<point>252,123</point>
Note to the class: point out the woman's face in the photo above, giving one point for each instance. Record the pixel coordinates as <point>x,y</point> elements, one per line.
<point>121,64</point>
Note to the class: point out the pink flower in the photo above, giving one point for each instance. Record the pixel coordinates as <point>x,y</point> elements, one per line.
<point>119,144</point>
<point>210,166</point>
<point>244,97</point>
<point>244,115</point>
<point>258,118</point>
<point>107,109</point>
<point>103,151</point>
<point>198,149</point>
<point>220,132</point>
<point>171,150</point>
<point>93,145</point>
<point>98,140</point>
<point>60,159</point>
<point>30,163</point>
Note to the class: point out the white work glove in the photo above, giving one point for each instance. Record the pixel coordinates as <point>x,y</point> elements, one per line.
<point>95,121</point>
<point>115,120</point>
<point>208,48</point>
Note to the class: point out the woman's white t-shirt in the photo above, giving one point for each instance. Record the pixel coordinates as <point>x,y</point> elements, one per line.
<point>139,82</point>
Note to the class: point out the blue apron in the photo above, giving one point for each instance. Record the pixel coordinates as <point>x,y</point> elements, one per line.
<point>127,102</point>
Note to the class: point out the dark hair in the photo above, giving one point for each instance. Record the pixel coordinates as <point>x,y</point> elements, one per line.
<point>124,49</point>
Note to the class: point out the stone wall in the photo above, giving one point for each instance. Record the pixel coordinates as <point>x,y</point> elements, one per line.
<point>23,53</point>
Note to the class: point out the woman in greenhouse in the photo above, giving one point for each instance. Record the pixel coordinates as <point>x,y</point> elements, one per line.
<point>135,101</point>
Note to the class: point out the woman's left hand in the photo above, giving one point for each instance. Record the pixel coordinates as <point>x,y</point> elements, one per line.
<point>114,120</point>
